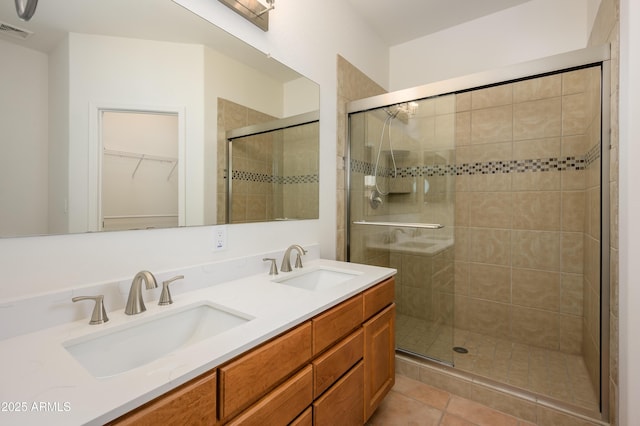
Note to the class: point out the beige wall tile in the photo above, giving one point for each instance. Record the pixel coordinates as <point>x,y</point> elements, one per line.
<point>536,289</point>
<point>492,96</point>
<point>538,211</point>
<point>490,282</point>
<point>461,277</point>
<point>463,128</point>
<point>574,145</point>
<point>537,119</point>
<point>492,125</point>
<point>490,152</point>
<point>536,250</point>
<point>573,210</point>
<point>536,148</point>
<point>463,101</point>
<point>492,246</point>
<point>537,88</point>
<point>488,317</point>
<point>490,209</point>
<point>577,81</point>
<point>490,182</point>
<point>573,180</point>
<point>571,298</point>
<point>536,327</point>
<point>574,114</point>
<point>571,334</point>
<point>547,181</point>
<point>572,252</point>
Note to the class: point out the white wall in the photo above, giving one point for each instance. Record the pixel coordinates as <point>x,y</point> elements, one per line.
<point>629,226</point>
<point>299,38</point>
<point>23,120</point>
<point>533,30</point>
<point>124,72</point>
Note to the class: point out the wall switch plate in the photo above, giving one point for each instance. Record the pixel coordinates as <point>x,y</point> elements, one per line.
<point>219,238</point>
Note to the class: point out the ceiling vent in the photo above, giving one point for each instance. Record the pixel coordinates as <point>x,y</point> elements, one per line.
<point>15,32</point>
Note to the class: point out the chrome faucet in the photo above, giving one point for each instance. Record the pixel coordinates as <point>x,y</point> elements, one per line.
<point>135,303</point>
<point>286,260</point>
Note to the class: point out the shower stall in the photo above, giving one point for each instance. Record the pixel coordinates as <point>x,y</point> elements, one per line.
<point>489,195</point>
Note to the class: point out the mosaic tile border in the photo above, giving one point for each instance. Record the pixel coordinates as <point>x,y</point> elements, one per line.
<point>241,175</point>
<point>485,168</point>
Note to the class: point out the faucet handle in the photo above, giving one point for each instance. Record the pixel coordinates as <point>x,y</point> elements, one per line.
<point>299,260</point>
<point>99,314</point>
<point>165,296</point>
<point>274,267</point>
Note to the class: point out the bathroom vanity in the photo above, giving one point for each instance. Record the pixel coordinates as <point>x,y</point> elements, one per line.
<point>312,346</point>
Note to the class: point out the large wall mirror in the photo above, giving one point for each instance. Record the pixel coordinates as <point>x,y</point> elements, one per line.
<point>177,86</point>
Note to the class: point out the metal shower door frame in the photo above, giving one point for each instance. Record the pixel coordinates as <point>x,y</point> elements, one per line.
<point>592,56</point>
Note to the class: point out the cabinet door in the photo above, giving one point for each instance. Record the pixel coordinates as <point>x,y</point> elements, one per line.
<point>342,403</point>
<point>193,403</point>
<point>379,358</point>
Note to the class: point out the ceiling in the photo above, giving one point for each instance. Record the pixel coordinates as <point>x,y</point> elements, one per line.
<point>398,21</point>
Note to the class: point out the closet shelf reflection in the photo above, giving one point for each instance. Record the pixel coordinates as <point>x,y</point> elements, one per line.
<point>141,157</point>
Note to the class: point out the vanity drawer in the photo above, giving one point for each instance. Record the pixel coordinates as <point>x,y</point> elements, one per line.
<point>248,378</point>
<point>193,403</point>
<point>336,323</point>
<point>331,365</point>
<point>378,297</point>
<point>304,419</point>
<point>282,405</point>
<point>343,403</point>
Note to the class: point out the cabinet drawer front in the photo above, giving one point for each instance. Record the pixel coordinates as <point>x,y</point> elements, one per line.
<point>193,403</point>
<point>378,297</point>
<point>304,419</point>
<point>282,405</point>
<point>328,367</point>
<point>336,323</point>
<point>248,378</point>
<point>343,403</point>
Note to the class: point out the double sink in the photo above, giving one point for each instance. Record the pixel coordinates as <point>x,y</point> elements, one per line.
<point>116,350</point>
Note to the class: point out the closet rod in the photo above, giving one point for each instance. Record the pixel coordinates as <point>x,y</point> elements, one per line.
<point>401,224</point>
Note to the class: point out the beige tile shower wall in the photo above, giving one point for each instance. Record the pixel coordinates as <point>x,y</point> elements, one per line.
<point>519,261</point>
<point>352,84</point>
<point>249,203</point>
<point>299,158</point>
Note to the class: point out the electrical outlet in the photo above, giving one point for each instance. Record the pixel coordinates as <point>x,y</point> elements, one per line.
<point>219,238</point>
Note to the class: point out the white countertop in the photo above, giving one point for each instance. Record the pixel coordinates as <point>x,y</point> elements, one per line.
<point>43,384</point>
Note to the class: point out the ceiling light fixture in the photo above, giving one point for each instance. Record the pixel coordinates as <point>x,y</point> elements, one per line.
<point>254,11</point>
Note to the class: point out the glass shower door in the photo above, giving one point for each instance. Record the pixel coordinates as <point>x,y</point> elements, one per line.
<point>401,214</point>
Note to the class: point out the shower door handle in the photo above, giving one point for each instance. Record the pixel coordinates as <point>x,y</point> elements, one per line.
<point>401,224</point>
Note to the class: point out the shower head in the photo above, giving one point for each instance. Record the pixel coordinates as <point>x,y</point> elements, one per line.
<point>402,111</point>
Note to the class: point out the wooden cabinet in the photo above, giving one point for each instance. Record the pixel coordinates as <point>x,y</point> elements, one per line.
<point>282,405</point>
<point>193,403</point>
<point>249,377</point>
<point>304,419</point>
<point>336,323</point>
<point>342,403</point>
<point>328,367</point>
<point>333,369</point>
<point>379,358</point>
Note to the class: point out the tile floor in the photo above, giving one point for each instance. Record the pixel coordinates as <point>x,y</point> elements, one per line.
<point>414,403</point>
<point>557,375</point>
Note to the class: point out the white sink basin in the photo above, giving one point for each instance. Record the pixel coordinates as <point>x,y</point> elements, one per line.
<point>317,279</point>
<point>129,346</point>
